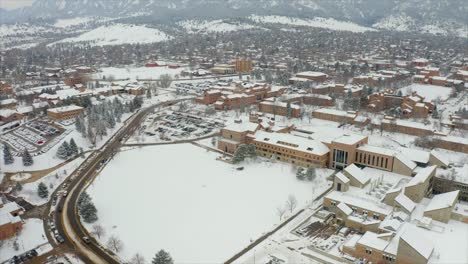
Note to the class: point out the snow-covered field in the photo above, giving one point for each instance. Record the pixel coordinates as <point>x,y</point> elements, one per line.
<point>29,238</point>
<point>185,201</point>
<point>430,92</point>
<point>137,72</point>
<point>197,26</point>
<point>118,34</point>
<point>71,22</point>
<point>319,22</point>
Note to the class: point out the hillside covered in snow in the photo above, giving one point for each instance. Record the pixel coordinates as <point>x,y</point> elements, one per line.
<point>118,34</point>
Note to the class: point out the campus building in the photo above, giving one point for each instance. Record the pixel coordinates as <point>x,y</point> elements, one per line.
<point>243,65</point>
<point>10,220</point>
<point>279,108</point>
<point>391,214</point>
<point>65,112</point>
<point>309,76</point>
<point>238,94</point>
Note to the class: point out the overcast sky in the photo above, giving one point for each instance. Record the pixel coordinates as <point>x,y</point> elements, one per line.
<point>12,4</point>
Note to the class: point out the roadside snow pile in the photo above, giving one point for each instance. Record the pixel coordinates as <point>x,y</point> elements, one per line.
<point>30,237</point>
<point>118,34</point>
<point>319,22</point>
<point>203,26</point>
<point>186,202</point>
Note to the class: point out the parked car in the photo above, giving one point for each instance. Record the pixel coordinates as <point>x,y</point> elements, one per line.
<point>86,240</point>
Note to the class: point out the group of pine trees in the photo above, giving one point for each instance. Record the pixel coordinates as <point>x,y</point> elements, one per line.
<point>244,151</point>
<point>67,150</point>
<point>86,208</point>
<point>104,116</point>
<point>308,174</point>
<point>42,190</point>
<point>9,159</point>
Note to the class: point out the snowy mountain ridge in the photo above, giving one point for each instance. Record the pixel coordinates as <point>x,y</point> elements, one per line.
<point>432,16</point>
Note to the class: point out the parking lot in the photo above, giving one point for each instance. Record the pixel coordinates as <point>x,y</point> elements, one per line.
<point>36,136</point>
<point>179,126</point>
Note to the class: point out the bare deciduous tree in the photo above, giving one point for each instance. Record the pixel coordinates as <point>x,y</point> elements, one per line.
<point>280,211</point>
<point>137,259</point>
<point>165,80</point>
<point>98,230</point>
<point>291,203</point>
<point>115,244</point>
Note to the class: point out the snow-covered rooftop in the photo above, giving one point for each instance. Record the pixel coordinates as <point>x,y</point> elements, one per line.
<point>405,202</point>
<point>442,201</point>
<point>357,173</point>
<point>314,147</point>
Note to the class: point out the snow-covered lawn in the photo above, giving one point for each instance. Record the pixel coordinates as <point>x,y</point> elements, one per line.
<point>51,180</point>
<point>29,238</point>
<point>137,72</point>
<point>118,34</point>
<point>319,22</point>
<point>181,199</point>
<point>430,92</point>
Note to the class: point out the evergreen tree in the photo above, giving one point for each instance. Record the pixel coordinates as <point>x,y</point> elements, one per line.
<point>148,94</point>
<point>300,174</point>
<point>73,147</point>
<point>162,257</point>
<point>18,186</point>
<point>27,158</point>
<point>62,152</point>
<point>78,124</point>
<point>42,190</point>
<point>67,148</point>
<point>310,174</point>
<point>86,208</point>
<point>289,109</point>
<point>7,157</point>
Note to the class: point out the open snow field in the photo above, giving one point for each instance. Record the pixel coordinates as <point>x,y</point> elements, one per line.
<point>179,198</point>
<point>430,92</point>
<point>137,72</point>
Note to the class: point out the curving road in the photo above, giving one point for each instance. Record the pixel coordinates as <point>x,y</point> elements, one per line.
<point>68,222</point>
